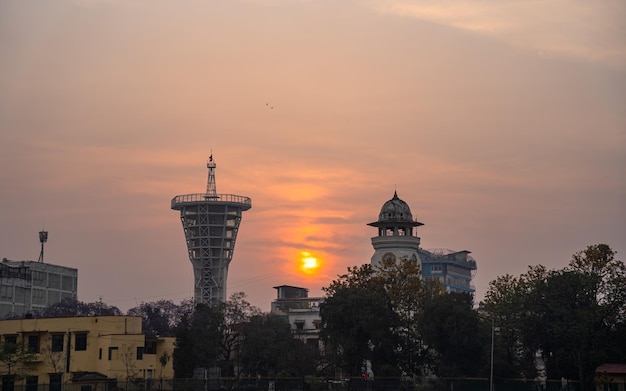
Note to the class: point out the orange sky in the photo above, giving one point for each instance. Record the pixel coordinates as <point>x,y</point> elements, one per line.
<point>503,128</point>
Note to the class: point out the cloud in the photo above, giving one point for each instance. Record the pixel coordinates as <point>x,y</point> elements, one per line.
<point>591,31</point>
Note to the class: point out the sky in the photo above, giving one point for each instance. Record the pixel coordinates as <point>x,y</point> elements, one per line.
<point>501,124</point>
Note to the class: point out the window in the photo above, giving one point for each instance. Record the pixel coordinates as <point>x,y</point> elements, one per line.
<point>150,347</point>
<point>111,350</point>
<point>85,388</point>
<point>55,381</point>
<point>8,383</point>
<point>140,352</point>
<point>10,344</point>
<point>33,344</point>
<point>57,343</point>
<point>100,354</point>
<point>80,341</point>
<point>31,383</point>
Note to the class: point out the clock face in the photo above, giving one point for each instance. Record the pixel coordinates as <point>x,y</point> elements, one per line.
<point>389,257</point>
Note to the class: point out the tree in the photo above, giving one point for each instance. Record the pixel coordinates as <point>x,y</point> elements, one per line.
<point>73,307</point>
<point>161,317</point>
<point>14,358</point>
<point>408,292</point>
<point>265,341</point>
<point>198,340</point>
<point>128,358</point>
<point>453,330</point>
<point>237,311</point>
<point>358,322</point>
<point>573,316</point>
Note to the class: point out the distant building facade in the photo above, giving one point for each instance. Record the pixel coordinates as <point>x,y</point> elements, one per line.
<point>397,239</point>
<point>28,286</point>
<point>81,353</point>
<point>301,311</point>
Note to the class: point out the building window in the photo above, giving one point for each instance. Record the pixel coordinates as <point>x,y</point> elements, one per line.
<point>150,347</point>
<point>31,383</point>
<point>57,342</point>
<point>8,383</point>
<point>85,388</point>
<point>55,381</point>
<point>111,350</point>
<point>33,344</point>
<point>100,354</point>
<point>140,352</point>
<point>80,341</point>
<point>10,344</point>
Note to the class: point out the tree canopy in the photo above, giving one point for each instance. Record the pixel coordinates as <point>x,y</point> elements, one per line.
<point>573,317</point>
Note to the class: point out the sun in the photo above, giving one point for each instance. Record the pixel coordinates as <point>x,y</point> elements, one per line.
<point>308,263</point>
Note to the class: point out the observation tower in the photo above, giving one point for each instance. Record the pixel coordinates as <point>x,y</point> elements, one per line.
<point>210,222</point>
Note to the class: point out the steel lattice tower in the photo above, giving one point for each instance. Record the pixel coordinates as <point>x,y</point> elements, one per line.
<point>210,222</point>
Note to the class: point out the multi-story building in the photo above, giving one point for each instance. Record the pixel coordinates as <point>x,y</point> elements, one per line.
<point>302,312</point>
<point>28,286</point>
<point>397,239</point>
<point>81,354</point>
<point>454,269</point>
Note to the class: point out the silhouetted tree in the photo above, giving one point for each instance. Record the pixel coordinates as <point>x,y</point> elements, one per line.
<point>161,317</point>
<point>266,340</point>
<point>573,316</point>
<point>198,340</point>
<point>459,338</point>
<point>73,307</point>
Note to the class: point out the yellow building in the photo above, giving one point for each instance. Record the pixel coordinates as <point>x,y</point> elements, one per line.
<point>94,353</point>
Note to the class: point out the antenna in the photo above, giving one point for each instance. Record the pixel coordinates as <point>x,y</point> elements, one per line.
<point>43,238</point>
<point>211,191</point>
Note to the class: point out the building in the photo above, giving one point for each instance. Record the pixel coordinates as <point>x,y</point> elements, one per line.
<point>611,377</point>
<point>29,286</point>
<point>301,311</point>
<point>81,353</point>
<point>454,269</point>
<point>397,239</point>
<point>210,223</point>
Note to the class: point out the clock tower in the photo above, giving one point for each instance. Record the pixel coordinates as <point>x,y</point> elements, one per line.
<point>397,238</point>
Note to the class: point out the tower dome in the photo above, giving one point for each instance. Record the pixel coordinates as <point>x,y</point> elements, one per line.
<point>395,210</point>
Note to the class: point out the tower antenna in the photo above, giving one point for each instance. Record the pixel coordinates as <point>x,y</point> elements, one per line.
<point>43,238</point>
<point>211,190</point>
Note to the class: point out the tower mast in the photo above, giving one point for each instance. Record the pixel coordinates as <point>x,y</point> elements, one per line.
<point>211,190</point>
<point>43,238</point>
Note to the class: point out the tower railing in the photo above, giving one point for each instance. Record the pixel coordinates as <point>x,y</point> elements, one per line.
<point>203,197</point>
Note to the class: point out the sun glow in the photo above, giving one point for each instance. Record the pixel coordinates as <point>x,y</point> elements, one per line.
<point>308,263</point>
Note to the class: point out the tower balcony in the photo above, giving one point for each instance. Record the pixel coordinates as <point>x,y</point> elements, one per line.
<point>181,201</point>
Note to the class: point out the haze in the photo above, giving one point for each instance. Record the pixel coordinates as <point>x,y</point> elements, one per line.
<point>502,125</point>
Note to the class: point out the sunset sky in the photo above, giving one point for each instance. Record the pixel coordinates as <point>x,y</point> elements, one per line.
<point>501,124</point>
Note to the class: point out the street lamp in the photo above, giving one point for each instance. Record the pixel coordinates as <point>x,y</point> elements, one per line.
<point>492,339</point>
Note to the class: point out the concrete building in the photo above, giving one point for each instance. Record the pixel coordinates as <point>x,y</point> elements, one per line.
<point>81,354</point>
<point>301,311</point>
<point>210,223</point>
<point>397,239</point>
<point>28,286</point>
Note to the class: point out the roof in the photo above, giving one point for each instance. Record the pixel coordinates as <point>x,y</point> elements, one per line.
<point>612,368</point>
<point>396,212</point>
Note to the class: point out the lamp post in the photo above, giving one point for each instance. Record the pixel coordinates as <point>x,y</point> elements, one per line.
<point>492,339</point>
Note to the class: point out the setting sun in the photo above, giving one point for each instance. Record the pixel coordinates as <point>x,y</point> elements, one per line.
<point>308,263</point>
